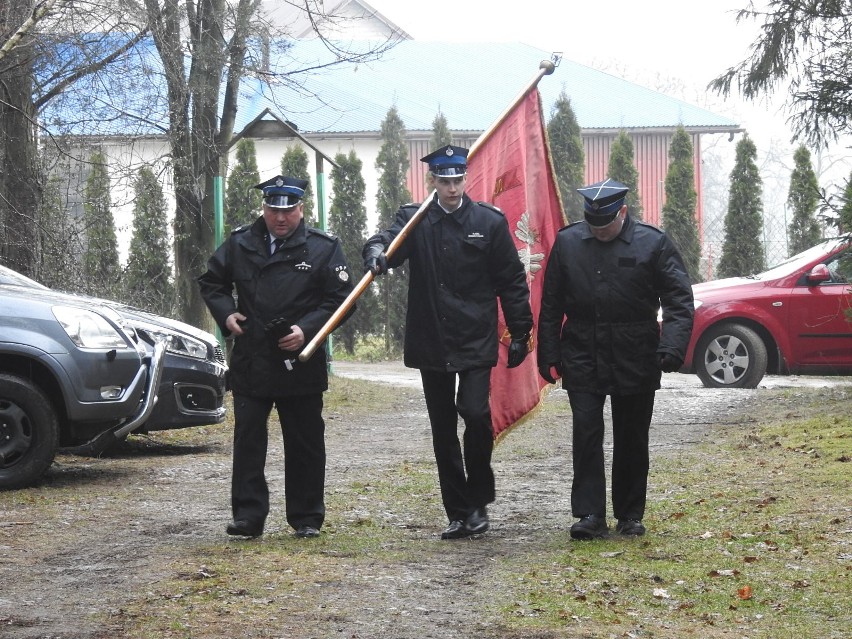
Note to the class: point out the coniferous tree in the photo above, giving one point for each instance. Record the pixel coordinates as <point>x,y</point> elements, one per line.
<point>803,197</point>
<point>100,257</point>
<point>348,220</point>
<point>243,201</point>
<point>681,201</point>
<point>392,163</point>
<point>621,169</point>
<point>61,245</point>
<point>148,281</point>
<point>294,163</point>
<point>844,220</point>
<point>441,135</point>
<point>742,251</point>
<point>569,156</point>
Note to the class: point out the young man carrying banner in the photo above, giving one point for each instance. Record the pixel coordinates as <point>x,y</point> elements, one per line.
<point>462,260</point>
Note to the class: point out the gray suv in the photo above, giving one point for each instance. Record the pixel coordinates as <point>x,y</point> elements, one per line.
<point>83,373</point>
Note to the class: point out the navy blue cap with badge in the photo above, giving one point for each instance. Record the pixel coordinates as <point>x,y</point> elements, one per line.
<point>602,201</point>
<point>448,161</point>
<point>283,192</point>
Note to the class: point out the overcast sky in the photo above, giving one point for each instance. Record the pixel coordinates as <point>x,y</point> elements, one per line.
<point>696,40</point>
<point>692,41</point>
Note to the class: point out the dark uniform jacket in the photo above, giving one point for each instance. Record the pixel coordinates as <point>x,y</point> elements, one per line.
<point>599,308</point>
<point>304,282</point>
<point>459,264</point>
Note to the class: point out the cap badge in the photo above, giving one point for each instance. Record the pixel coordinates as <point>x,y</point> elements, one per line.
<point>449,151</point>
<point>279,182</point>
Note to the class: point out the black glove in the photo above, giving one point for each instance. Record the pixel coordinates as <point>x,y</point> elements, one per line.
<point>668,362</point>
<point>276,329</point>
<point>375,259</point>
<point>518,350</point>
<point>544,371</point>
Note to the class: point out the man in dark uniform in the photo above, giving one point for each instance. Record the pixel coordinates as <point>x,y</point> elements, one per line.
<point>606,279</point>
<point>461,261</point>
<point>288,279</point>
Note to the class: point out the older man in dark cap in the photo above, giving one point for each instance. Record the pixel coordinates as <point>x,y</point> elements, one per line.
<point>288,279</point>
<point>607,277</point>
<point>462,259</point>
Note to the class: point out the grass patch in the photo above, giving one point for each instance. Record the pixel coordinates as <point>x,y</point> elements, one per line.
<point>750,533</point>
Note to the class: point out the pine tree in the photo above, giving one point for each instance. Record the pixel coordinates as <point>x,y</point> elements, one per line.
<point>348,220</point>
<point>392,163</point>
<point>803,198</point>
<point>441,135</point>
<point>681,201</point>
<point>742,251</point>
<point>100,257</point>
<point>294,163</point>
<point>243,201</point>
<point>621,169</point>
<point>148,280</point>
<point>569,156</point>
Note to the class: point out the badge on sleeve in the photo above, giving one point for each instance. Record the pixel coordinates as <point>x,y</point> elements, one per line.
<point>342,273</point>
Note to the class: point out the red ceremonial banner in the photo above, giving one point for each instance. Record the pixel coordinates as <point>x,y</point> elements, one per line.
<point>512,169</point>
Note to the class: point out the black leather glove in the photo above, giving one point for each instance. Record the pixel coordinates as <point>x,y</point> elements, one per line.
<point>668,362</point>
<point>544,371</point>
<point>518,350</point>
<point>375,259</point>
<point>276,329</point>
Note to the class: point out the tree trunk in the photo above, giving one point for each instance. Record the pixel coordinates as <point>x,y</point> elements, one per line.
<point>20,190</point>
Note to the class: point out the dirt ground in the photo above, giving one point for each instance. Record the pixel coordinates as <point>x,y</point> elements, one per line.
<point>64,561</point>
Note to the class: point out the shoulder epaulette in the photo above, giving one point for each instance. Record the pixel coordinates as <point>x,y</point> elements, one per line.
<point>488,205</point>
<point>241,229</point>
<point>650,226</point>
<point>321,233</point>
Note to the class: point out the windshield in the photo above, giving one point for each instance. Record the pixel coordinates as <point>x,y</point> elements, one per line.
<point>8,276</point>
<point>793,264</point>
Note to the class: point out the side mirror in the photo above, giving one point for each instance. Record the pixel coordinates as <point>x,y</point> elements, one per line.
<point>819,273</point>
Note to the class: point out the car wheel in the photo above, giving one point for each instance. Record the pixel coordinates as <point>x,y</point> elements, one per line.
<point>29,432</point>
<point>730,356</point>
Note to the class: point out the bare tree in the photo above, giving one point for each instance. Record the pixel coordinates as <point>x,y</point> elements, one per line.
<point>19,191</point>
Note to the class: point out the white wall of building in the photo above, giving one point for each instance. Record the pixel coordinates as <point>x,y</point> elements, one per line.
<point>126,157</point>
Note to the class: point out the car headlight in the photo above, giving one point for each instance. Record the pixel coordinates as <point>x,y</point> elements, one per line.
<point>175,342</point>
<point>88,329</point>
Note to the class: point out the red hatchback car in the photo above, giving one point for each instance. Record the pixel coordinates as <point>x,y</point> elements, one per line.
<point>794,319</point>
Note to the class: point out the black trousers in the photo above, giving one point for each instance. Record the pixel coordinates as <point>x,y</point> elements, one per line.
<point>303,429</point>
<point>466,478</point>
<point>631,423</point>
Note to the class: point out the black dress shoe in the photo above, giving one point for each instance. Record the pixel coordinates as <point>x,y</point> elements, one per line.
<point>456,530</point>
<point>477,521</point>
<point>307,531</point>
<point>632,527</point>
<point>243,528</point>
<point>589,527</point>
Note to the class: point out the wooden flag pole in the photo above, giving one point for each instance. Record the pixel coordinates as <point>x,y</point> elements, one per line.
<point>545,68</point>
